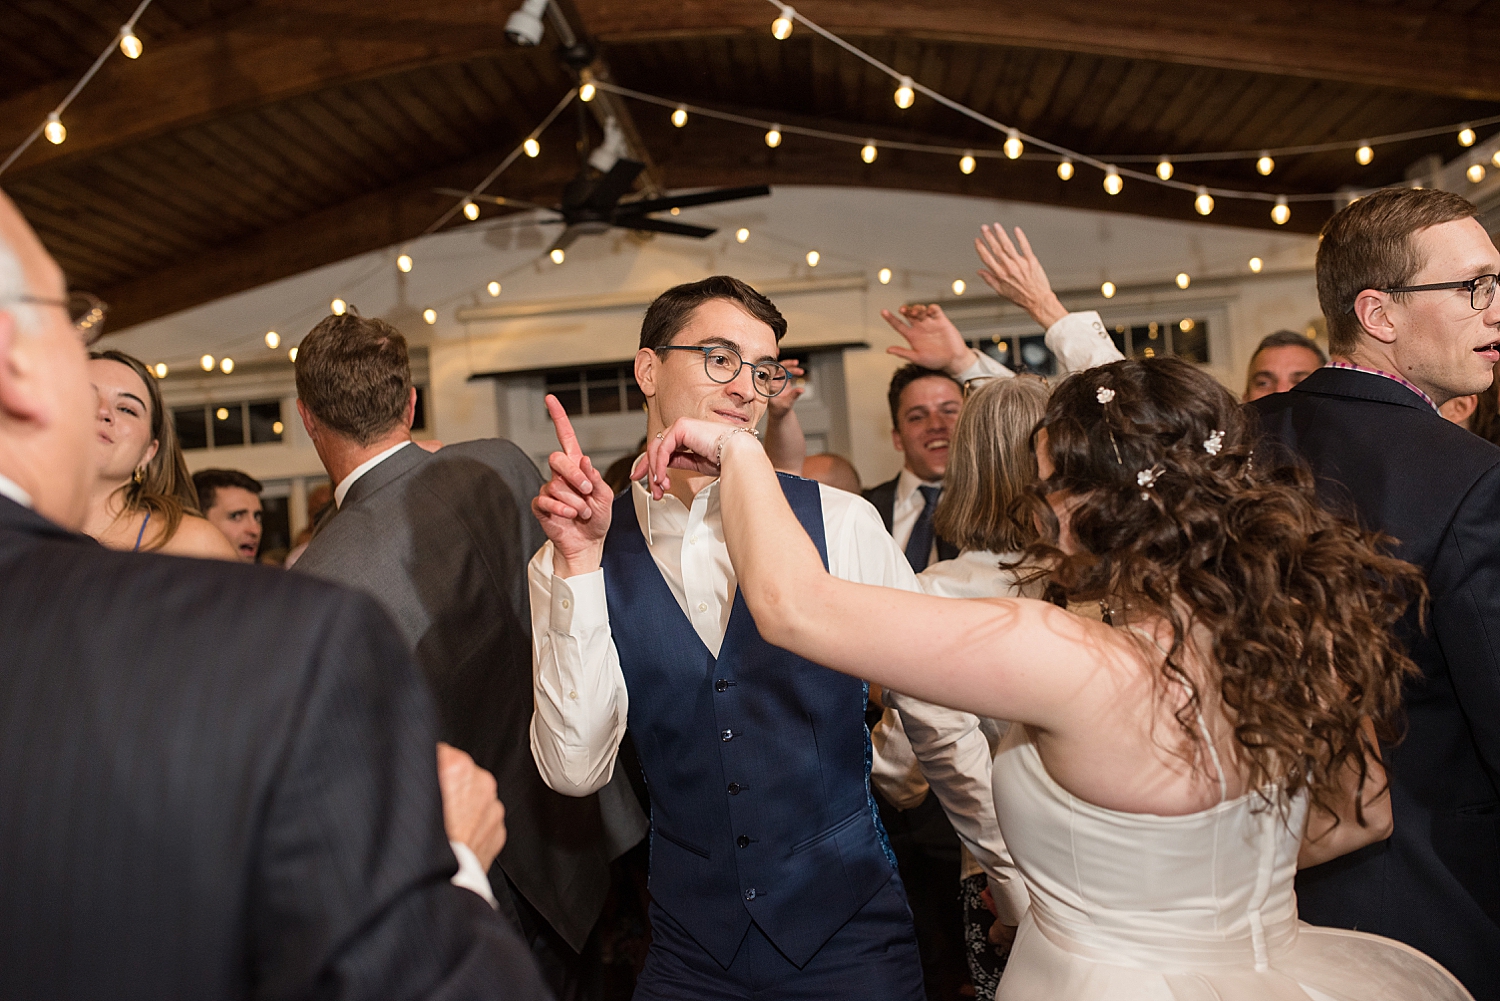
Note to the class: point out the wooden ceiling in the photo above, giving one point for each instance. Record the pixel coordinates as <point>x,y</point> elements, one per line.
<point>256,139</point>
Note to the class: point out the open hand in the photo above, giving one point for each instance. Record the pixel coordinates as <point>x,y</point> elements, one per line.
<point>1012,270</point>
<point>934,341</point>
<point>574,505</point>
<point>778,406</point>
<point>471,813</point>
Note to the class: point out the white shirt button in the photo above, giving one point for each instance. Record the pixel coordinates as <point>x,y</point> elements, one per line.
<point>693,540</point>
<point>572,695</point>
<point>702,607</point>
<point>566,603</point>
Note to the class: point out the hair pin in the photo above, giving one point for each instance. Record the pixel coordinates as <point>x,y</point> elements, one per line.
<point>1213,443</point>
<point>1146,479</point>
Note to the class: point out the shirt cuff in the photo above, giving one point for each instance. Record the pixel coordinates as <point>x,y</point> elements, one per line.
<point>471,875</point>
<point>578,603</point>
<point>1079,341</point>
<point>984,367</point>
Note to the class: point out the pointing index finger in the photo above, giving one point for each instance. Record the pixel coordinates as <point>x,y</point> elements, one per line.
<point>564,427</point>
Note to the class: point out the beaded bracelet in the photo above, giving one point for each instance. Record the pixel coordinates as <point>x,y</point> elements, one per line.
<point>719,451</point>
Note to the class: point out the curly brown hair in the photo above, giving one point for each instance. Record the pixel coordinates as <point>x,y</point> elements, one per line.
<point>1298,602</point>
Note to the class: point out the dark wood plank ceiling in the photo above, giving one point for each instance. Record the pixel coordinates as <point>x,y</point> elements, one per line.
<point>259,138</point>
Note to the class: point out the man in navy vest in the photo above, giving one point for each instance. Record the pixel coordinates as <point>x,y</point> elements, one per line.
<point>770,875</point>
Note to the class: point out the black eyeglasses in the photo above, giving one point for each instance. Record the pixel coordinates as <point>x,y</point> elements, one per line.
<point>1481,290</point>
<point>85,311</point>
<point>723,364</point>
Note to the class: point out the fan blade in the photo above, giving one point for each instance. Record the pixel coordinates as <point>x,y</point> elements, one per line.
<point>701,198</point>
<point>609,188</point>
<point>510,203</point>
<point>662,226</point>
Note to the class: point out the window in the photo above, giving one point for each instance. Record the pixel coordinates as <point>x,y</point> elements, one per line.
<point>1186,338</point>
<point>601,389</point>
<point>224,425</point>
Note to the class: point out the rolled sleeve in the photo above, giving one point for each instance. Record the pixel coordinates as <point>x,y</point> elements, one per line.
<point>1079,341</point>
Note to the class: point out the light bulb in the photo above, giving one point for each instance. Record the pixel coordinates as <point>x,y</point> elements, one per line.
<point>741,235</point>
<point>675,210</point>
<point>273,340</point>
<point>1364,154</point>
<point>679,117</point>
<point>1185,324</point>
<point>557,255</point>
<point>55,130</point>
<point>959,286</point>
<point>493,288</point>
<point>1495,159</point>
<point>207,363</point>
<point>1107,290</point>
<point>1164,169</point>
<point>1013,144</point>
<point>1204,203</point>
<point>222,413</point>
<point>884,276</point>
<point>1112,182</point>
<point>429,316</point>
<point>131,46</point>
<point>1281,211</point>
<point>1466,136</point>
<point>586,92</point>
<point>1183,281</point>
<point>813,257</point>
<point>403,263</point>
<point>226,365</point>
<point>773,138</point>
<point>1256,264</point>
<point>160,368</point>
<point>1475,173</point>
<point>782,26</point>
<point>1265,164</point>
<point>471,211</point>
<point>292,355</point>
<point>532,147</point>
<point>277,427</point>
<point>905,95</point>
<point>966,163</point>
<point>339,307</point>
<point>868,153</point>
<point>1065,169</point>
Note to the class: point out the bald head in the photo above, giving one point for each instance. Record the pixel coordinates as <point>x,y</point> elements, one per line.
<point>834,470</point>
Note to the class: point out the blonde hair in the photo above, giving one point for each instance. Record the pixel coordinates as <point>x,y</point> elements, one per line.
<point>990,465</point>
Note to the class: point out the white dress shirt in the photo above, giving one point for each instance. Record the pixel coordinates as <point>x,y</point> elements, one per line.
<point>340,491</point>
<point>10,488</point>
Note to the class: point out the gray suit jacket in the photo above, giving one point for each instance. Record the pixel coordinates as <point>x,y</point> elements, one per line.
<point>442,541</point>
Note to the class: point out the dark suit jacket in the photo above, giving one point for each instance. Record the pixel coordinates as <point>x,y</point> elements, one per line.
<point>1405,470</point>
<point>219,781</point>
<point>883,497</point>
<point>442,541</point>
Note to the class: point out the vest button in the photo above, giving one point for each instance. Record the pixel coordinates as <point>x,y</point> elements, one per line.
<point>743,841</point>
<point>734,788</point>
<point>750,893</point>
<point>721,685</point>
<point>727,735</point>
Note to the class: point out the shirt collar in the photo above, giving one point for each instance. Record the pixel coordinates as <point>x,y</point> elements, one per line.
<point>1384,375</point>
<point>644,504</point>
<point>342,490</point>
<point>10,488</point>
<point>908,482</point>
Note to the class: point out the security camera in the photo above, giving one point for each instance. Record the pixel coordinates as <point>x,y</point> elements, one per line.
<point>524,27</point>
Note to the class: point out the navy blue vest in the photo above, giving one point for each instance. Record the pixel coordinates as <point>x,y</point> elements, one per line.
<point>757,762</point>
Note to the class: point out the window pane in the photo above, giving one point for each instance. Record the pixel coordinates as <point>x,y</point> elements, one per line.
<point>229,424</point>
<point>601,374</point>
<point>634,398</point>
<point>1035,358</point>
<point>1147,341</point>
<point>276,527</point>
<point>192,430</point>
<point>571,399</point>
<point>265,422</point>
<point>1120,334</point>
<point>562,378</point>
<point>419,412</point>
<point>1191,344</point>
<point>604,397</point>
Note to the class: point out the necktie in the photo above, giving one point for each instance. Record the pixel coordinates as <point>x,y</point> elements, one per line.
<point>919,546</point>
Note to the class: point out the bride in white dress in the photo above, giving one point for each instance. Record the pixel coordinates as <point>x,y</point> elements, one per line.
<point>1175,760</point>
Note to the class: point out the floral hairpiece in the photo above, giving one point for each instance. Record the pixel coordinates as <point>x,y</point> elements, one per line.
<point>1146,479</point>
<point>1104,395</point>
<point>1213,443</point>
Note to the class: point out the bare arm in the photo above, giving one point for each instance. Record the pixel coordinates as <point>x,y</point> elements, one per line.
<point>785,442</point>
<point>1328,835</point>
<point>198,537</point>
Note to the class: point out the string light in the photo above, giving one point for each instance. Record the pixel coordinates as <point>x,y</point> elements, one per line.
<point>1204,203</point>
<point>493,288</point>
<point>781,28</point>
<point>226,365</point>
<point>292,355</point>
<point>1495,159</point>
<point>1164,169</point>
<point>1107,290</point>
<point>813,257</point>
<point>904,95</point>
<point>1364,154</point>
<point>1183,281</point>
<point>586,91</point>
<point>966,163</point>
<point>1013,144</point>
<point>131,46</point>
<point>1112,182</point>
<point>679,117</point>
<point>471,211</point>
<point>1265,164</point>
<point>277,427</point>
<point>675,210</point>
<point>1185,324</point>
<point>273,340</point>
<point>207,363</point>
<point>1256,264</point>
<point>869,153</point>
<point>1281,211</point>
<point>339,307</point>
<point>959,286</point>
<point>222,413</point>
<point>557,255</point>
<point>160,368</point>
<point>55,130</point>
<point>429,316</point>
<point>1475,173</point>
<point>403,263</point>
<point>532,147</point>
<point>1466,136</point>
<point>1065,169</point>
<point>741,235</point>
<point>773,137</point>
<point>884,276</point>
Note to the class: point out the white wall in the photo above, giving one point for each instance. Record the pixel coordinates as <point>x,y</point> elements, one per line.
<point>925,239</point>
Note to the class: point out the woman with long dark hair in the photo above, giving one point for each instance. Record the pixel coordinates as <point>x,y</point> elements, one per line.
<point>143,497</point>
<point>1174,763</point>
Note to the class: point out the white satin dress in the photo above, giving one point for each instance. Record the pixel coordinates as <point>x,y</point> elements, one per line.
<point>1138,907</point>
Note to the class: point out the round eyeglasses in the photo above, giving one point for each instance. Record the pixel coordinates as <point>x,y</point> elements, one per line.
<point>723,364</point>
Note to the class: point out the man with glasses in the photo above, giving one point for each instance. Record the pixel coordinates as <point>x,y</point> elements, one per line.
<point>1406,280</point>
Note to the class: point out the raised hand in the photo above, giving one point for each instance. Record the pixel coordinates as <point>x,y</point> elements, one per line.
<point>688,444</point>
<point>781,404</point>
<point>1012,270</point>
<point>574,505</point>
<point>934,341</point>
